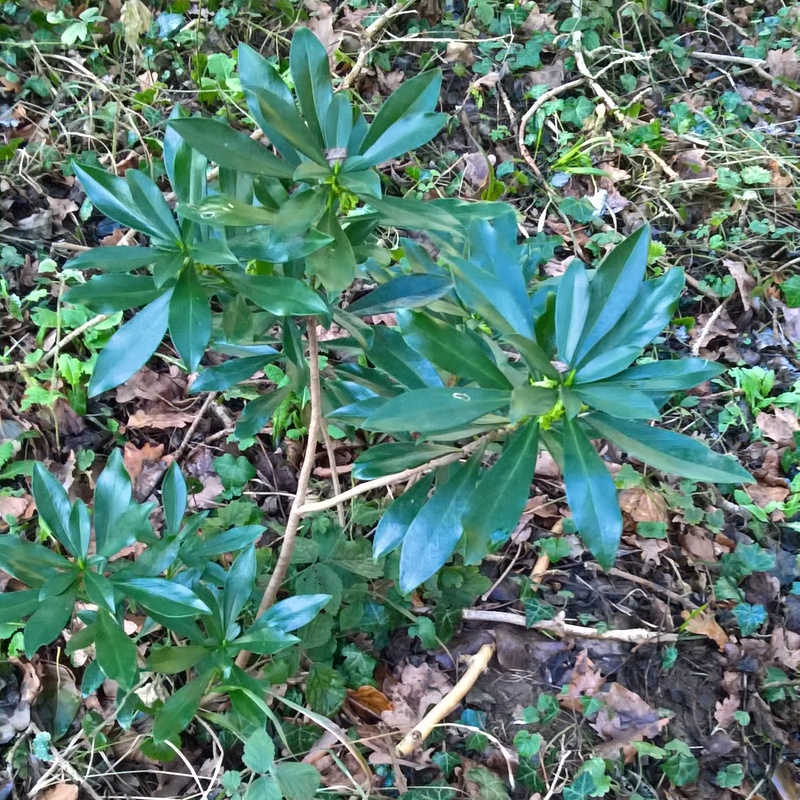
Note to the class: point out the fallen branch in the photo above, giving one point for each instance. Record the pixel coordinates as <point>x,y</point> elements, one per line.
<point>559,628</point>
<point>477,666</point>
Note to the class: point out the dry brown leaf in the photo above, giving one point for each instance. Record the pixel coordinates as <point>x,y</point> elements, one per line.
<point>744,280</point>
<point>459,51</point>
<point>626,718</point>
<point>791,324</point>
<point>786,647</point>
<point>537,22</point>
<point>651,549</point>
<point>691,165</point>
<point>136,18</point>
<point>762,495</point>
<point>20,508</point>
<point>778,426</point>
<point>61,791</point>
<point>696,544</point>
<point>161,417</point>
<point>476,170</point>
<point>136,458</point>
<point>725,710</point>
<point>643,506</point>
<point>783,63</point>
<point>584,681</point>
<point>370,698</point>
<point>412,693</point>
<point>705,624</point>
<point>785,783</point>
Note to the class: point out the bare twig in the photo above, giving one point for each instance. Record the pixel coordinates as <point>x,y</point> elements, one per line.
<point>701,339</point>
<point>397,477</point>
<point>337,486</point>
<point>559,628</point>
<point>477,665</point>
<point>296,511</point>
<point>184,446</point>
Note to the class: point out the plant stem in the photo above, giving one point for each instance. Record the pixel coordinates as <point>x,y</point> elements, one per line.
<point>296,511</point>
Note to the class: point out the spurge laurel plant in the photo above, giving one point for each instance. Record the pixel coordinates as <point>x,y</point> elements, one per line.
<point>484,359</point>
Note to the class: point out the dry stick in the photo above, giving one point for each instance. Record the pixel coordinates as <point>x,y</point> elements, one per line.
<point>558,628</point>
<point>397,477</point>
<point>296,512</point>
<point>337,486</point>
<point>701,339</point>
<point>477,665</point>
<point>212,396</point>
<point>654,587</point>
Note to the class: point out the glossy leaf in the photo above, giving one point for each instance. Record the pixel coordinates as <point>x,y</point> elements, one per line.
<point>669,452</point>
<point>48,621</point>
<point>189,318</point>
<point>529,401</point>
<point>281,296</point>
<point>114,259</point>
<point>230,148</point>
<point>257,412</point>
<point>417,95</point>
<point>179,709</point>
<point>535,358</point>
<point>174,496</point>
<point>618,401</point>
<point>435,531</point>
<point>572,307</point>
<point>406,134</point>
<point>105,294</point>
<point>226,542</point>
<point>390,353</point>
<point>334,264</point>
<point>338,125</point>
<point>294,612</point>
<point>396,520</point>
<point>666,376</point>
<point>311,76</point>
<point>498,500</point>
<point>591,495</point>
<point>15,606</point>
<point>413,215</point>
<point>112,196</point>
<point>116,651</point>
<point>391,457</point>
<point>461,353</point>
<point>283,125</point>
<point>405,291</point>
<point>53,506</point>
<point>613,288</point>
<point>131,346</point>
<point>148,198</point>
<point>80,529</point>
<point>239,584</point>
<point>607,363</point>
<point>100,591</point>
<point>265,640</point>
<point>225,211</point>
<point>171,660</point>
<point>436,409</point>
<point>29,562</point>
<point>223,376</point>
<point>164,597</point>
<point>186,167</point>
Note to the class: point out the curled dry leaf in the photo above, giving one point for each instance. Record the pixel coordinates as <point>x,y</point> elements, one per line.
<point>778,426</point>
<point>584,681</point>
<point>705,623</point>
<point>61,791</point>
<point>785,647</point>
<point>725,710</point>
<point>643,506</point>
<point>414,691</point>
<point>369,699</point>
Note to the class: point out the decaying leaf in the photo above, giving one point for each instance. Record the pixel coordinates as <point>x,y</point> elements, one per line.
<point>705,623</point>
<point>412,693</point>
<point>136,19</point>
<point>584,681</point>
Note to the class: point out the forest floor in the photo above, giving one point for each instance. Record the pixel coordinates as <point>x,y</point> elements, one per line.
<point>589,118</point>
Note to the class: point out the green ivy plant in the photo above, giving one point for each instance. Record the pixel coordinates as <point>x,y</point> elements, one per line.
<point>486,364</point>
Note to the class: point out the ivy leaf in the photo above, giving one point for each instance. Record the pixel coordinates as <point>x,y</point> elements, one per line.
<point>750,617</point>
<point>325,689</point>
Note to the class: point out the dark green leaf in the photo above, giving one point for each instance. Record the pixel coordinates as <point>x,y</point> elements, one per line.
<point>325,690</point>
<point>174,496</point>
<point>116,651</point>
<point>53,506</point>
<point>405,135</point>
<point>606,363</point>
<point>418,95</point>
<point>396,520</point>
<point>308,64</point>
<point>49,620</point>
<point>435,531</point>
<point>572,307</point>
<point>15,606</point>
<point>106,294</point>
<point>334,264</point>
<point>681,767</point>
<point>148,198</point>
<point>436,409</point>
<point>750,617</point>
<point>667,376</point>
<point>405,291</point>
<point>223,376</point>
<point>672,453</point>
<point>258,411</point>
<point>186,167</point>
<point>531,401</point>
<point>614,286</point>
<point>226,542</point>
<point>171,660</point>
<point>164,597</point>
<point>233,472</point>
<point>338,124</point>
<point>80,528</point>
<point>179,710</point>
<point>294,612</point>
<point>298,781</point>
<point>616,400</point>
<point>189,318</point>
<point>391,457</point>
<point>265,640</point>
<point>112,196</point>
<point>462,353</point>
<point>230,148</point>
<point>239,584</point>
<point>131,346</point>
<point>501,494</point>
<point>115,259</point>
<point>413,215</point>
<point>281,296</point>
<point>99,590</point>
<point>283,125</point>
<point>591,496</point>
<point>29,562</point>
<point>532,354</point>
<point>390,353</point>
<point>223,211</point>
<point>366,183</point>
